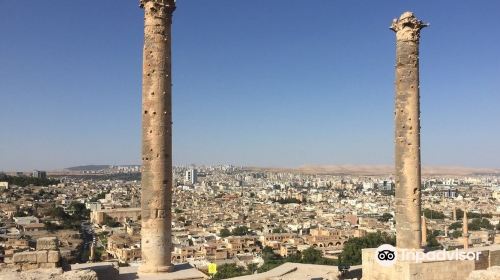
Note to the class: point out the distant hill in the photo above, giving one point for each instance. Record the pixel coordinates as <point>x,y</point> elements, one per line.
<point>93,167</point>
<point>379,170</point>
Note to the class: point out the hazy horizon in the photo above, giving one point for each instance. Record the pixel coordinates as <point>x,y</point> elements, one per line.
<point>303,166</point>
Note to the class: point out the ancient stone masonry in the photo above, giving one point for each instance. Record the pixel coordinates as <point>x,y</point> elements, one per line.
<point>407,121</point>
<point>156,197</point>
<point>46,256</point>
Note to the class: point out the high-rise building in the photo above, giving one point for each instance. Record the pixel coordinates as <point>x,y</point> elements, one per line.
<point>191,176</point>
<point>39,174</point>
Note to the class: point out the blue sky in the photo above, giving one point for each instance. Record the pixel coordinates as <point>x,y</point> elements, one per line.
<point>267,83</point>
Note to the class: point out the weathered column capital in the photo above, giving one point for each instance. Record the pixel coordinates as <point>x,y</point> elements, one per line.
<point>407,27</point>
<point>159,8</point>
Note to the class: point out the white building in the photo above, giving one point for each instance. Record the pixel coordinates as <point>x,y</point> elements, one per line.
<point>191,176</point>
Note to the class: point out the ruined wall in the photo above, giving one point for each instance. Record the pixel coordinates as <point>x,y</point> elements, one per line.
<point>494,258</point>
<point>439,270</point>
<point>119,214</point>
<point>46,256</point>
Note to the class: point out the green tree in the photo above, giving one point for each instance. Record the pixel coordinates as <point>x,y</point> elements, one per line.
<point>224,232</point>
<point>100,195</point>
<point>268,254</point>
<point>279,230</point>
<point>351,254</point>
<point>456,234</point>
<point>432,243</point>
<point>432,214</point>
<point>108,221</point>
<point>455,225</point>
<point>240,231</point>
<point>225,271</point>
<point>385,217</point>
<point>287,200</point>
<point>480,223</point>
<point>251,268</point>
<point>24,181</point>
<point>51,227</point>
<point>311,256</point>
<point>58,213</point>
<point>79,210</point>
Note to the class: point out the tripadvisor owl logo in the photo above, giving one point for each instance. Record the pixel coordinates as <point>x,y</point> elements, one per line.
<point>385,255</point>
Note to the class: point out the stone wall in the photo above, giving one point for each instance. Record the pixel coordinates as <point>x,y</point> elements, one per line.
<point>442,270</point>
<point>118,214</point>
<point>492,273</point>
<point>103,270</point>
<point>439,270</point>
<point>494,258</point>
<point>46,256</point>
<point>483,261</point>
<point>50,274</point>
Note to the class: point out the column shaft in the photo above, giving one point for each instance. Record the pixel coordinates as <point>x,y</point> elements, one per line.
<point>156,196</point>
<point>407,130</point>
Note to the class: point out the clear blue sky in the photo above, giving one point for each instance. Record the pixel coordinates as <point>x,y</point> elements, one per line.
<point>268,83</point>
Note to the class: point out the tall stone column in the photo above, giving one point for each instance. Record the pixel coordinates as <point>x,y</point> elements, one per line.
<point>156,196</point>
<point>407,119</point>
<point>424,232</point>
<point>465,230</point>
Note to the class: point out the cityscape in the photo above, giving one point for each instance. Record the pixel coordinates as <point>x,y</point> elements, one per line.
<point>245,219</point>
<point>156,218</point>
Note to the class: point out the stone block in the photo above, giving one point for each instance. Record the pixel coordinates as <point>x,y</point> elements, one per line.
<point>79,275</point>
<point>53,256</point>
<point>47,265</point>
<point>24,257</point>
<point>47,243</point>
<point>41,256</point>
<point>29,266</point>
<point>13,267</point>
<point>492,273</point>
<point>494,258</point>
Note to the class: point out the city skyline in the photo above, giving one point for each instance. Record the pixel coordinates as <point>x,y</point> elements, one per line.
<point>240,96</point>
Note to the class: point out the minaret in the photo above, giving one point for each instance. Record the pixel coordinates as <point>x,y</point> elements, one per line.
<point>156,182</point>
<point>424,232</point>
<point>407,131</point>
<point>465,232</point>
<point>92,252</point>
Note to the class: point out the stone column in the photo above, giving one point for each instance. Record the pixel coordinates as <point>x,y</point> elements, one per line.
<point>156,196</point>
<point>465,230</point>
<point>407,119</point>
<point>424,232</point>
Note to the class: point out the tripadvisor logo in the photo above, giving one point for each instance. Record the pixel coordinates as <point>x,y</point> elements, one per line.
<point>385,255</point>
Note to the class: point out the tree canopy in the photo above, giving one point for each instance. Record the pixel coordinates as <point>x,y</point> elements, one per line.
<point>351,254</point>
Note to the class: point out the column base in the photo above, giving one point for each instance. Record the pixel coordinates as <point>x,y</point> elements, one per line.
<point>143,268</point>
